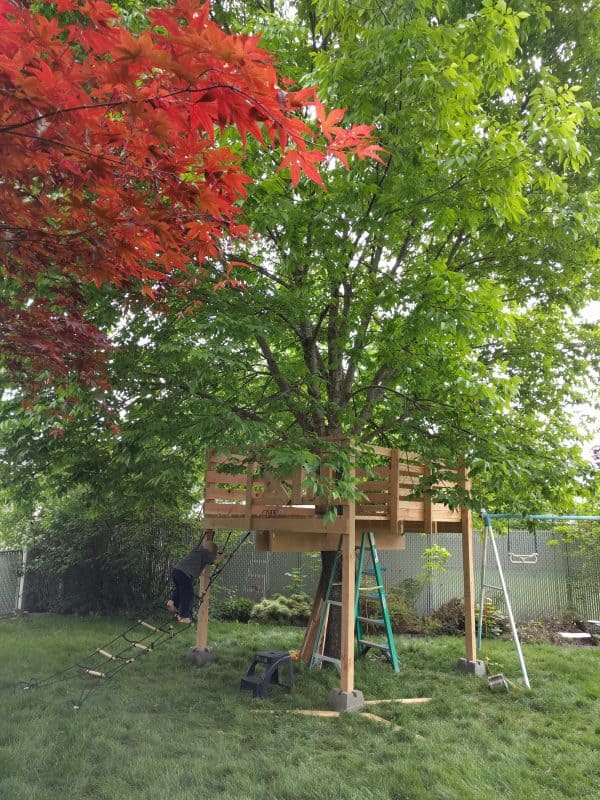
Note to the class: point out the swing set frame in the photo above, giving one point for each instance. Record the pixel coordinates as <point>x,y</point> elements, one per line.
<point>515,558</point>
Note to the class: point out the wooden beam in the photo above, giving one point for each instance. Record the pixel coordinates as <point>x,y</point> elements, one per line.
<point>202,626</point>
<point>394,492</point>
<point>297,485</point>
<point>427,510</point>
<point>248,509</point>
<point>310,635</point>
<point>468,571</point>
<point>409,701</point>
<point>348,621</point>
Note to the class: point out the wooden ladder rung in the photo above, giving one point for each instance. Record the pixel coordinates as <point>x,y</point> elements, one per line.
<point>140,646</point>
<point>147,625</point>
<point>110,656</point>
<point>94,673</point>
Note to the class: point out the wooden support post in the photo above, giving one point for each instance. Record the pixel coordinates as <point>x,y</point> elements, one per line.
<point>348,581</point>
<point>468,572</point>
<point>297,485</point>
<point>394,490</point>
<point>202,628</point>
<point>248,507</point>
<point>427,516</point>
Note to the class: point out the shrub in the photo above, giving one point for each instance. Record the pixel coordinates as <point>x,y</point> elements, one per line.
<point>233,609</point>
<point>281,610</point>
<point>449,618</point>
<point>495,623</point>
<point>401,602</point>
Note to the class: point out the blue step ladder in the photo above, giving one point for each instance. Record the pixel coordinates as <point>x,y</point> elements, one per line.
<point>366,549</point>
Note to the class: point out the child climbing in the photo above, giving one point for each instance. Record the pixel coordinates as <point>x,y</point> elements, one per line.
<point>185,572</point>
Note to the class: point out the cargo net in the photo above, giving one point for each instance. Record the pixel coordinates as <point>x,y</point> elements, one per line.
<point>139,639</point>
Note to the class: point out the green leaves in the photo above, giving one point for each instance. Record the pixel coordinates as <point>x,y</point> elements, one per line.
<point>425,302</point>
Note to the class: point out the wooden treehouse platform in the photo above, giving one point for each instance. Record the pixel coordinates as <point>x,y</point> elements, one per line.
<point>288,517</point>
<point>397,497</point>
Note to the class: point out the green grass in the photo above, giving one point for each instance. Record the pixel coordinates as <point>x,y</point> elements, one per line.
<point>163,728</point>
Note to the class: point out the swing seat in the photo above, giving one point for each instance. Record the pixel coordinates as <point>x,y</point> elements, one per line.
<point>523,558</point>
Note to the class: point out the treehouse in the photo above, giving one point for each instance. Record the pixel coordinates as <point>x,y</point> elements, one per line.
<point>397,496</point>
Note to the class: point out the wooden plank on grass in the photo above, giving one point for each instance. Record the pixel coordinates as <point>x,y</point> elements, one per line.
<point>404,700</point>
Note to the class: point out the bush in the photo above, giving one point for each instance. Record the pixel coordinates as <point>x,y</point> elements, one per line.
<point>281,610</point>
<point>449,619</point>
<point>84,561</point>
<point>495,623</point>
<point>234,609</point>
<point>401,602</point>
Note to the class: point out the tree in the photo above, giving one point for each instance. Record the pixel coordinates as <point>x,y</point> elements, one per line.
<point>429,301</point>
<point>119,166</point>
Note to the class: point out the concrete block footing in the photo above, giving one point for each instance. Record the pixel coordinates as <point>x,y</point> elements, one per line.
<point>201,655</point>
<point>346,701</point>
<point>474,667</point>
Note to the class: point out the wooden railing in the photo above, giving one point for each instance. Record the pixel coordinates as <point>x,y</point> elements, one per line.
<point>396,498</point>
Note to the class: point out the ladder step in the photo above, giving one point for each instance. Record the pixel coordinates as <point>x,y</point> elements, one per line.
<point>373,571</point>
<point>106,654</point>
<point>380,621</point>
<point>491,586</point>
<point>110,656</point>
<point>147,625</point>
<point>140,646</point>
<point>94,673</point>
<point>369,589</point>
<point>333,603</point>
<point>378,645</point>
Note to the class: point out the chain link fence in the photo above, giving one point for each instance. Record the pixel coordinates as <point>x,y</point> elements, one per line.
<point>562,578</point>
<point>565,576</point>
<point>11,566</point>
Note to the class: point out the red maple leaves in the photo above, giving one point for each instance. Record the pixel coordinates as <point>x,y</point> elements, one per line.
<point>113,169</point>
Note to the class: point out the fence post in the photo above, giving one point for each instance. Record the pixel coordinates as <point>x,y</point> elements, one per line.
<point>21,587</point>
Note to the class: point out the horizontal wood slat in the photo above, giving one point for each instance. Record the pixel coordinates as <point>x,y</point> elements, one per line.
<point>289,517</point>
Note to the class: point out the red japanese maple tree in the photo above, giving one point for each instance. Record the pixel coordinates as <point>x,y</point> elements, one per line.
<point>112,163</point>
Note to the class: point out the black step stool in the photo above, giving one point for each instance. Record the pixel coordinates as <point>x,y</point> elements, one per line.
<point>272,660</point>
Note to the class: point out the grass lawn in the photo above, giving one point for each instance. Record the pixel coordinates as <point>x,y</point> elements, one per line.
<point>163,728</point>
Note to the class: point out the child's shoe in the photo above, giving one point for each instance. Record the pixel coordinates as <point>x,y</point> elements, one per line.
<point>184,620</point>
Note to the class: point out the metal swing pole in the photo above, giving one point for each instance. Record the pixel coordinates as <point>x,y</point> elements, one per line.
<point>489,532</point>
<point>482,588</point>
